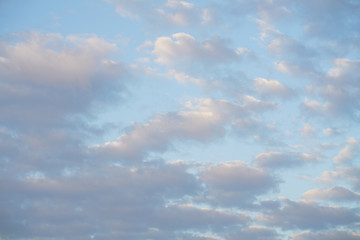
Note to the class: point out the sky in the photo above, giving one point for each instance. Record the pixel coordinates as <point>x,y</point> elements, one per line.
<point>184,120</point>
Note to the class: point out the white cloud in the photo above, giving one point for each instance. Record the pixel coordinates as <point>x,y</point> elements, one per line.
<point>60,94</point>
<point>278,160</point>
<point>349,153</point>
<point>337,193</point>
<point>45,77</point>
<point>183,48</point>
<point>307,130</point>
<point>272,88</point>
<point>234,184</point>
<point>202,122</point>
<point>345,71</point>
<point>52,60</point>
<point>339,90</point>
<point>315,107</point>
<point>350,174</point>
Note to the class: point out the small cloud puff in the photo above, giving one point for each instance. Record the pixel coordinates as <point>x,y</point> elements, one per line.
<point>271,88</point>
<point>278,160</point>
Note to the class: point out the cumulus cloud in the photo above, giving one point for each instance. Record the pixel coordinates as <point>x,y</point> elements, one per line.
<point>201,122</point>
<point>57,183</point>
<point>308,215</point>
<point>339,90</point>
<point>338,194</point>
<point>292,57</point>
<point>46,77</point>
<point>349,152</point>
<point>272,88</point>
<point>350,174</point>
<point>234,184</point>
<point>326,235</point>
<point>277,160</point>
<point>307,130</point>
<point>183,49</point>
<point>97,200</point>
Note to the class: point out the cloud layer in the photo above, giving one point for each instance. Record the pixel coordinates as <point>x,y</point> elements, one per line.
<point>187,120</point>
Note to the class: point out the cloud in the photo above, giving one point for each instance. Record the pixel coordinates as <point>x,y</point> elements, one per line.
<point>255,233</point>
<point>191,217</point>
<point>290,56</point>
<point>47,77</point>
<point>332,132</point>
<point>271,88</point>
<point>322,14</point>
<point>286,47</point>
<point>254,127</point>
<point>170,13</point>
<point>234,184</point>
<point>326,235</point>
<point>344,71</point>
<point>131,9</point>
<point>338,90</point>
<point>201,237</point>
<point>182,13</point>
<point>202,122</point>
<point>349,152</point>
<point>308,215</point>
<point>317,19</point>
<point>184,49</point>
<point>315,107</point>
<point>184,78</point>
<point>108,201</point>
<point>308,130</point>
<point>337,194</point>
<point>278,160</point>
<point>271,12</point>
<point>350,174</point>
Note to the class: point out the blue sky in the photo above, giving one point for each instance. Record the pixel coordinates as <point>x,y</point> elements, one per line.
<point>186,120</point>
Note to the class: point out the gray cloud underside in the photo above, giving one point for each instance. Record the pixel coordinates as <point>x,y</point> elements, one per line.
<point>328,235</point>
<point>308,215</point>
